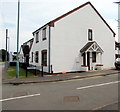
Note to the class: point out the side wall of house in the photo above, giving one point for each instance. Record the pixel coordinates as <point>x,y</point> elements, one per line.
<point>21,56</point>
<point>70,34</point>
<point>40,46</point>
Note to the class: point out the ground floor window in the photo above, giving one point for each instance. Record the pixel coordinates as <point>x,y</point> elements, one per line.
<point>32,57</point>
<point>84,59</point>
<point>36,56</point>
<point>44,57</point>
<point>93,57</point>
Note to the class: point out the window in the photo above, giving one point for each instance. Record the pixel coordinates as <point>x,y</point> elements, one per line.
<point>37,37</point>
<point>93,57</point>
<point>44,34</point>
<point>32,57</point>
<point>36,56</point>
<point>44,57</point>
<point>90,34</point>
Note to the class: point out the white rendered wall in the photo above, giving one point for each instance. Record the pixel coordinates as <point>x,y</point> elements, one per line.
<point>21,56</point>
<point>70,35</point>
<point>10,57</point>
<point>41,45</point>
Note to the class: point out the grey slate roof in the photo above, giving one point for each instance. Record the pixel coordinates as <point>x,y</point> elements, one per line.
<point>86,47</point>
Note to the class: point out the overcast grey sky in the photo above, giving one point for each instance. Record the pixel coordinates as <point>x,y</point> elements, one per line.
<point>35,13</point>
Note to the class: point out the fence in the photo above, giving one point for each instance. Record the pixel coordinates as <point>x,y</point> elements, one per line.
<point>39,69</point>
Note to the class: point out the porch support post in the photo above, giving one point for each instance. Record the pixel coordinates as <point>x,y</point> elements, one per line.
<point>91,66</point>
<point>100,58</point>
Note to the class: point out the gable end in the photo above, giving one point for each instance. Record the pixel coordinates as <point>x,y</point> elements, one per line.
<point>88,3</point>
<point>103,19</point>
<point>51,23</point>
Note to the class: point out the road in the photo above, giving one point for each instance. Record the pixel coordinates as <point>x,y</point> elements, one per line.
<point>98,93</point>
<point>1,72</point>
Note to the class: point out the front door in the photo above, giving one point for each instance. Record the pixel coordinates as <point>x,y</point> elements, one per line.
<point>88,60</point>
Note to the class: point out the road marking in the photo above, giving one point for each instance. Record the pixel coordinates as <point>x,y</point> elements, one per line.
<point>14,98</point>
<point>71,80</point>
<point>103,106</point>
<point>86,78</point>
<point>85,87</point>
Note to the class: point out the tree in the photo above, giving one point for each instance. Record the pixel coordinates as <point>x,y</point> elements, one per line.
<point>3,55</point>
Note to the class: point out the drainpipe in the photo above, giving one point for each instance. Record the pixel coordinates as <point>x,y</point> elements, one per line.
<point>49,50</point>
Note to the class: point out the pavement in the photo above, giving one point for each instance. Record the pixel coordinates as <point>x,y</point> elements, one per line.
<point>59,77</point>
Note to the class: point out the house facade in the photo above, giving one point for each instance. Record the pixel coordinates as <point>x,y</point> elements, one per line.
<point>79,40</point>
<point>24,51</point>
<point>21,55</point>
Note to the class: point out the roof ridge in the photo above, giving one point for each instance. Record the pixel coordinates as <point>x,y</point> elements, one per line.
<point>73,10</point>
<point>58,18</point>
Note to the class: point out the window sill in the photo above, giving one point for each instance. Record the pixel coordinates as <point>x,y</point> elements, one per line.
<point>37,41</point>
<point>90,40</point>
<point>84,66</point>
<point>99,65</point>
<point>43,65</point>
<point>44,39</point>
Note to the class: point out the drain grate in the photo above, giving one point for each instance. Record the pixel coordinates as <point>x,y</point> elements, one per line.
<point>71,99</point>
<point>20,94</point>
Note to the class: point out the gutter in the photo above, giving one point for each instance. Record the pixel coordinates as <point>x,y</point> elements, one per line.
<point>49,49</point>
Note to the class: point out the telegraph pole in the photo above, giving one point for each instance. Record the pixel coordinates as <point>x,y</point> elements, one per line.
<point>18,21</point>
<point>6,49</point>
<point>118,23</point>
<point>6,43</point>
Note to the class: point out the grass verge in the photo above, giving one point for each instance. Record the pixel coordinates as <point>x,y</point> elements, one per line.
<point>11,72</point>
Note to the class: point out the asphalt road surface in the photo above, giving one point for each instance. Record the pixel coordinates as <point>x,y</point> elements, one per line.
<point>98,93</point>
<point>1,71</point>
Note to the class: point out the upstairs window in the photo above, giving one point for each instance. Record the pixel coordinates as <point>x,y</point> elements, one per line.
<point>44,34</point>
<point>44,57</point>
<point>90,34</point>
<point>36,56</point>
<point>37,37</point>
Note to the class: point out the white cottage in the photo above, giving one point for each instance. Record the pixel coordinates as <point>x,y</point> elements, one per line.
<point>79,40</point>
<point>23,53</point>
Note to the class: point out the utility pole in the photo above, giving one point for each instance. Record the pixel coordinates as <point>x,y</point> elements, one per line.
<point>6,42</point>
<point>18,21</point>
<point>118,24</point>
<point>6,49</point>
<point>119,21</point>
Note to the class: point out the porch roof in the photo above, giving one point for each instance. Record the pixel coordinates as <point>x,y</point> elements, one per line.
<point>91,47</point>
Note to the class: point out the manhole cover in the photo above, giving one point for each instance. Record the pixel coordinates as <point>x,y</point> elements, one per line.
<point>20,94</point>
<point>71,99</point>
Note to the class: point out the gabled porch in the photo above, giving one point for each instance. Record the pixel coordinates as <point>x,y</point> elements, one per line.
<point>91,56</point>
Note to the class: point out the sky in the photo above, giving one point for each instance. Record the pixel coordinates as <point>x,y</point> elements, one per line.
<point>36,13</point>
